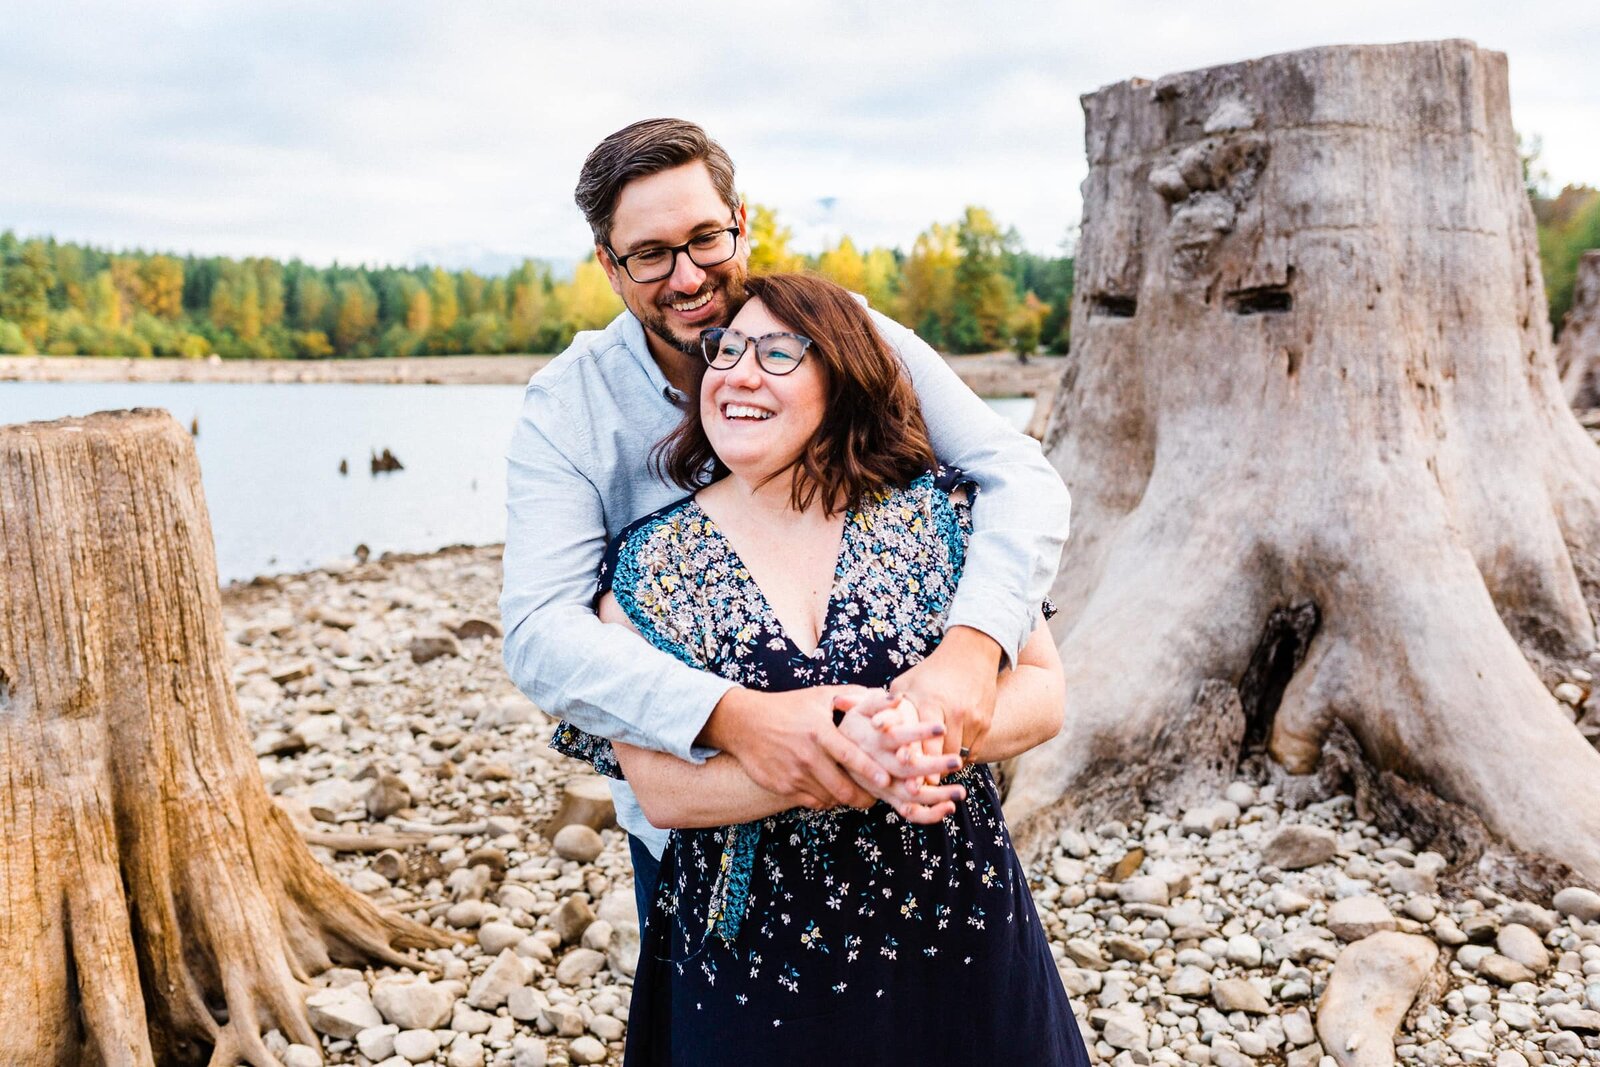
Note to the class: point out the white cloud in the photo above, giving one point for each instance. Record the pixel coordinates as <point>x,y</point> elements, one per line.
<point>375,131</point>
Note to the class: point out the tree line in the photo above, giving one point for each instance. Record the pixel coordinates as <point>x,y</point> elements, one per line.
<point>967,286</point>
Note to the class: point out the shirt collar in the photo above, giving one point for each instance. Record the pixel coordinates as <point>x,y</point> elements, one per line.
<point>633,337</point>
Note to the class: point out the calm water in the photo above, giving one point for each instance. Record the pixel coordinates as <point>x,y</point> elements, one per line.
<point>270,454</point>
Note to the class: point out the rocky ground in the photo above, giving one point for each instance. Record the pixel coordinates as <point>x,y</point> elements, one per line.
<point>1241,932</point>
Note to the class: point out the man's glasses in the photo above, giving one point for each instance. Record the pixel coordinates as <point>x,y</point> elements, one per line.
<point>703,250</point>
<point>777,353</point>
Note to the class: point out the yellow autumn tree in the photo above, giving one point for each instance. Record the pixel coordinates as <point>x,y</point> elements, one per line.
<point>928,282</point>
<point>587,302</point>
<point>844,264</point>
<point>769,243</point>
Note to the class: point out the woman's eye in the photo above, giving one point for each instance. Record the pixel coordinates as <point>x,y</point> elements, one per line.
<point>780,355</point>
<point>730,349</point>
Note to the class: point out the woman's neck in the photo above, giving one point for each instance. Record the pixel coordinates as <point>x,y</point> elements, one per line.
<point>772,500</point>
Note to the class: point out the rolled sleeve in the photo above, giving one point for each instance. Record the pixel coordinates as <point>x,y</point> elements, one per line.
<point>1022,510</point>
<point>603,679</point>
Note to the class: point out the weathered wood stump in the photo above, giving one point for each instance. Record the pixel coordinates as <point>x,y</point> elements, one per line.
<point>1578,347</point>
<point>157,907</point>
<point>1328,493</point>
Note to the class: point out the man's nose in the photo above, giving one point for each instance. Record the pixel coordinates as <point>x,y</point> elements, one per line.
<point>686,277</point>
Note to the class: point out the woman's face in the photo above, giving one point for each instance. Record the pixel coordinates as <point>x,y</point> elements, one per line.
<point>758,423</point>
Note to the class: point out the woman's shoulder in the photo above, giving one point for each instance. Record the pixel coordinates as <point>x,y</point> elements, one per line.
<point>664,527</point>
<point>936,489</point>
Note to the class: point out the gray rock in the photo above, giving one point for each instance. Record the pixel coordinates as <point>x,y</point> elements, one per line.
<point>1244,950</point>
<point>586,1050</point>
<point>1540,920</point>
<point>495,937</point>
<point>1565,1043</point>
<point>622,953</point>
<point>1127,948</point>
<point>1310,1056</point>
<point>525,1003</point>
<point>597,936</point>
<point>428,647</point>
<point>1510,1058</point>
<point>301,1056</point>
<point>578,842</point>
<point>389,794</point>
<point>466,914</point>
<point>1085,953</point>
<point>1572,1017</point>
<point>1126,1029</point>
<point>342,1012</point>
<point>414,1003</point>
<point>1517,1016</point>
<point>508,971</point>
<point>1297,1028</point>
<point>1369,992</point>
<point>1354,918</point>
<point>1189,982</point>
<point>579,964</point>
<point>1421,909</point>
<point>1505,970</point>
<point>572,918</point>
<point>1579,903</point>
<point>465,1051</point>
<point>377,1042</point>
<point>606,1027</point>
<point>528,1052</point>
<point>565,1019</point>
<point>416,1046</point>
<point>1475,1038</point>
<point>1519,943</point>
<point>1412,880</point>
<point>1237,994</point>
<point>1143,889</point>
<point>1446,932</point>
<point>1297,847</point>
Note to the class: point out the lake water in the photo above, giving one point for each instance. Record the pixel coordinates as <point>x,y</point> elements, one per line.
<point>270,455</point>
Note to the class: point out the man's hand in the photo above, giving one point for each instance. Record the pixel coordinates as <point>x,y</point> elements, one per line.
<point>955,686</point>
<point>776,737</point>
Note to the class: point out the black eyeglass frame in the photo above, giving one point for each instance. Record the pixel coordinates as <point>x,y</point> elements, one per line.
<point>684,249</point>
<point>711,339</point>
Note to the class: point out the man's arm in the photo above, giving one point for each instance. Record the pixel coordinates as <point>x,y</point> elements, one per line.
<point>1020,523</point>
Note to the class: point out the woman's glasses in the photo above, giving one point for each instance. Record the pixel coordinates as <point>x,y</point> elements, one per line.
<point>777,353</point>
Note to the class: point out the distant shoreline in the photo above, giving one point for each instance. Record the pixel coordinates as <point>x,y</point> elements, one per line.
<point>992,374</point>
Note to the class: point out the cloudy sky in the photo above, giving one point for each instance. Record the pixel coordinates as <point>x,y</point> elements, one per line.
<point>403,131</point>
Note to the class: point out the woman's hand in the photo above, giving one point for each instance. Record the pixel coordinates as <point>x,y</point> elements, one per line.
<point>884,752</point>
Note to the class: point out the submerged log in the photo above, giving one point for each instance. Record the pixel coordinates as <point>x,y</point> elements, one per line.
<point>1326,484</point>
<point>158,907</point>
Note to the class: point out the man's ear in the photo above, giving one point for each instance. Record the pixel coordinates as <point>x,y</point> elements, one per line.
<point>607,264</point>
<point>744,223</point>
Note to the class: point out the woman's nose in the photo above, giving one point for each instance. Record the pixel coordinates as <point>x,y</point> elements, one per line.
<point>747,372</point>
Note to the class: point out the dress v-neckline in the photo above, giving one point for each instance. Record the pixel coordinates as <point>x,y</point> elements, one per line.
<point>828,610</point>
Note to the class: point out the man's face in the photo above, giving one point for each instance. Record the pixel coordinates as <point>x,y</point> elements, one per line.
<point>670,208</point>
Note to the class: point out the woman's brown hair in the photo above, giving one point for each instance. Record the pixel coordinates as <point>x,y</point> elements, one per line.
<point>872,435</point>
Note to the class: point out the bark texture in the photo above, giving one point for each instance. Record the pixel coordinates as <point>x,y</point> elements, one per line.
<point>1578,350</point>
<point>156,906</point>
<point>1323,470</point>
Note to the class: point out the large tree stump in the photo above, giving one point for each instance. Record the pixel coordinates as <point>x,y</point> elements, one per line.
<point>1326,483</point>
<point>157,907</point>
<point>1578,348</point>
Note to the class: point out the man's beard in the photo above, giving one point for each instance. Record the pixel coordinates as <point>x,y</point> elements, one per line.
<point>655,320</point>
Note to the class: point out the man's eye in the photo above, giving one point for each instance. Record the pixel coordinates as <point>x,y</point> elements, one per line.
<point>649,256</point>
<point>706,240</point>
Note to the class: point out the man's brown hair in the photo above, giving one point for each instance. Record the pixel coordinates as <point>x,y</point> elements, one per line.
<point>872,434</point>
<point>637,151</point>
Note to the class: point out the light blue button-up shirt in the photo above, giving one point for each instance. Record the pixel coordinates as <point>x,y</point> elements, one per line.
<point>579,472</point>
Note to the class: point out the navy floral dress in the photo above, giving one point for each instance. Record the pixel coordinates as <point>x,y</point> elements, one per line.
<point>845,936</point>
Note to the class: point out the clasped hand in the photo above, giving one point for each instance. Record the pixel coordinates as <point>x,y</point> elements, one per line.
<point>893,755</point>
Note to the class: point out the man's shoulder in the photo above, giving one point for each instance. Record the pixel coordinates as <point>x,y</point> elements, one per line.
<point>593,358</point>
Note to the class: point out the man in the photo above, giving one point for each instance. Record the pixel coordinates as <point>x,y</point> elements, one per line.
<point>670,232</point>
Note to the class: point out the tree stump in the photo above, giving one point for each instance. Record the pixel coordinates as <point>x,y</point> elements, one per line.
<point>1578,348</point>
<point>157,906</point>
<point>1327,489</point>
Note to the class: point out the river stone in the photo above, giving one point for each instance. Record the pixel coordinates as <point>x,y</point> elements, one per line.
<point>413,1003</point>
<point>1354,918</point>
<point>565,1019</point>
<point>578,842</point>
<point>416,1046</point>
<point>579,964</point>
<point>571,919</point>
<point>377,1043</point>
<point>1372,986</point>
<point>1519,943</point>
<point>597,935</point>
<point>1123,947</point>
<point>1579,903</point>
<point>430,646</point>
<point>1540,920</point>
<point>465,1051</point>
<point>1505,970</point>
<point>1295,848</point>
<point>301,1056</point>
<point>496,937</point>
<point>508,971</point>
<point>1189,981</point>
<point>1237,994</point>
<point>1144,889</point>
<point>528,1052</point>
<point>389,794</point>
<point>342,1012</point>
<point>1297,1028</point>
<point>1126,1029</point>
<point>586,1049</point>
<point>1572,1017</point>
<point>622,954</point>
<point>1474,1038</point>
<point>1244,950</point>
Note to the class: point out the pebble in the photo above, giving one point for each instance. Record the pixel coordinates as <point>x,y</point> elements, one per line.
<point>496,937</point>
<point>579,964</point>
<point>586,1049</point>
<point>301,1056</point>
<point>1238,994</point>
<point>416,1046</point>
<point>508,971</point>
<point>412,1002</point>
<point>1578,903</point>
<point>1519,943</point>
<point>578,842</point>
<point>1354,918</point>
<point>377,1043</point>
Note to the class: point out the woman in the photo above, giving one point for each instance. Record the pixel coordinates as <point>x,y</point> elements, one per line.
<point>823,549</point>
